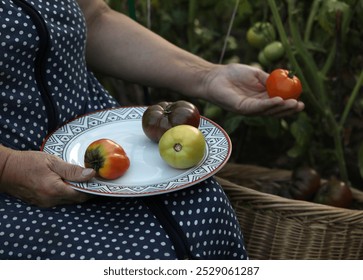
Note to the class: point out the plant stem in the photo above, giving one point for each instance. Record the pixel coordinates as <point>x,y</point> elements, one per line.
<point>228,31</point>
<point>311,18</point>
<point>330,59</point>
<point>339,150</point>
<point>351,99</point>
<point>316,80</point>
<point>191,17</point>
<point>280,28</point>
<point>132,10</point>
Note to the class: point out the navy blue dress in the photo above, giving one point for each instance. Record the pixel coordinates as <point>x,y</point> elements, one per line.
<point>44,82</point>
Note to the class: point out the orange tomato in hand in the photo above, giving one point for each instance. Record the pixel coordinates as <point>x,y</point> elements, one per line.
<point>107,158</point>
<point>283,83</point>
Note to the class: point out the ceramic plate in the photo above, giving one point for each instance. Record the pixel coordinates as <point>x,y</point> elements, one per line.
<point>148,173</point>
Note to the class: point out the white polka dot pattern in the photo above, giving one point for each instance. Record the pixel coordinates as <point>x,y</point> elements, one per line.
<point>121,228</point>
<point>23,121</point>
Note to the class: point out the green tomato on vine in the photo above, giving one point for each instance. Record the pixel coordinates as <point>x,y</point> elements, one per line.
<point>271,53</point>
<point>274,51</point>
<point>261,34</point>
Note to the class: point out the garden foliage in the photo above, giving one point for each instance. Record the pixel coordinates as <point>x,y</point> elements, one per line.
<point>322,41</point>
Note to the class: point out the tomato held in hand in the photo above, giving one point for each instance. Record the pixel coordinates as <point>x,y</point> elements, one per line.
<point>283,83</point>
<point>182,146</point>
<point>107,158</point>
<point>160,117</point>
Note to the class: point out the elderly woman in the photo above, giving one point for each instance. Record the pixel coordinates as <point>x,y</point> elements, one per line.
<point>47,51</point>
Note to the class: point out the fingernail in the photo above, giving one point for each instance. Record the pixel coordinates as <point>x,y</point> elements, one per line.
<point>86,172</point>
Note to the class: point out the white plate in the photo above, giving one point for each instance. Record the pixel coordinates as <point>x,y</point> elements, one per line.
<point>148,173</point>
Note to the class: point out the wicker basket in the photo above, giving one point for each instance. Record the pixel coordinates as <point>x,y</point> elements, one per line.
<point>275,227</point>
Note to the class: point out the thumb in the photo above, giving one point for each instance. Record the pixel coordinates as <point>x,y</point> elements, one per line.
<point>72,172</point>
<point>262,77</point>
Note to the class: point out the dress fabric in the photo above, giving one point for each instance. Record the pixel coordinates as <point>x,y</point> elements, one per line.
<point>41,89</point>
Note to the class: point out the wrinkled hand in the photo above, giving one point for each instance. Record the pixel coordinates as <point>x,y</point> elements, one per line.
<point>37,178</point>
<point>241,89</point>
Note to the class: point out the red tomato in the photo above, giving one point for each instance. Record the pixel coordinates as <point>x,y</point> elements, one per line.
<point>107,158</point>
<point>283,83</point>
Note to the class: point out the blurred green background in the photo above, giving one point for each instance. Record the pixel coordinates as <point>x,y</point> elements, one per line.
<point>322,42</point>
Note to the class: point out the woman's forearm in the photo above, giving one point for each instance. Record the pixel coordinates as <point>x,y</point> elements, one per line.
<point>120,47</point>
<point>4,155</point>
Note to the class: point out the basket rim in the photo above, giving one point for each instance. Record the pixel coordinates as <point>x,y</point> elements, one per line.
<point>292,207</point>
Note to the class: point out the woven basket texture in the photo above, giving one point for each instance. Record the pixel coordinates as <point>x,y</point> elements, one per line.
<point>280,228</point>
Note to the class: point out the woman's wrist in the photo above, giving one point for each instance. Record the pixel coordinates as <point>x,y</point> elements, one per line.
<point>4,156</point>
<point>193,78</point>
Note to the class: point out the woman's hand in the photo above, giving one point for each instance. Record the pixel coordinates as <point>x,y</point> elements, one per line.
<point>37,178</point>
<point>148,59</point>
<point>241,88</point>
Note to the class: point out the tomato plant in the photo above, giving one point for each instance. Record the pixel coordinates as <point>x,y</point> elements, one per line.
<point>283,83</point>
<point>321,48</point>
<point>322,40</point>
<point>182,146</point>
<point>260,34</point>
<point>158,118</point>
<point>107,158</point>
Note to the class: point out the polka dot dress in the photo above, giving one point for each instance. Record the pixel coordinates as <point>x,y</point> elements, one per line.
<point>63,75</point>
<point>43,88</point>
<point>121,228</point>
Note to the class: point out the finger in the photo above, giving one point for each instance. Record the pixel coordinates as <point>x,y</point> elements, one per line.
<point>59,193</point>
<point>51,202</point>
<point>290,106</point>
<point>262,76</point>
<point>298,108</point>
<point>73,196</point>
<point>72,172</point>
<point>265,106</point>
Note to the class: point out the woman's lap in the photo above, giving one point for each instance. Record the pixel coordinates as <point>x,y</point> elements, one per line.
<point>122,228</point>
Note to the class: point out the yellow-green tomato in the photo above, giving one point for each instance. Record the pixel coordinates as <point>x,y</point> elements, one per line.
<point>182,146</point>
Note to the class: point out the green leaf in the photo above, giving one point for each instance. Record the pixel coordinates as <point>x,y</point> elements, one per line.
<point>273,127</point>
<point>231,124</point>
<point>244,9</point>
<point>302,131</point>
<point>234,121</point>
<point>328,16</point>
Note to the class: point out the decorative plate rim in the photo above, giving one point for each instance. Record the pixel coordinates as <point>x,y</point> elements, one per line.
<point>219,148</point>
